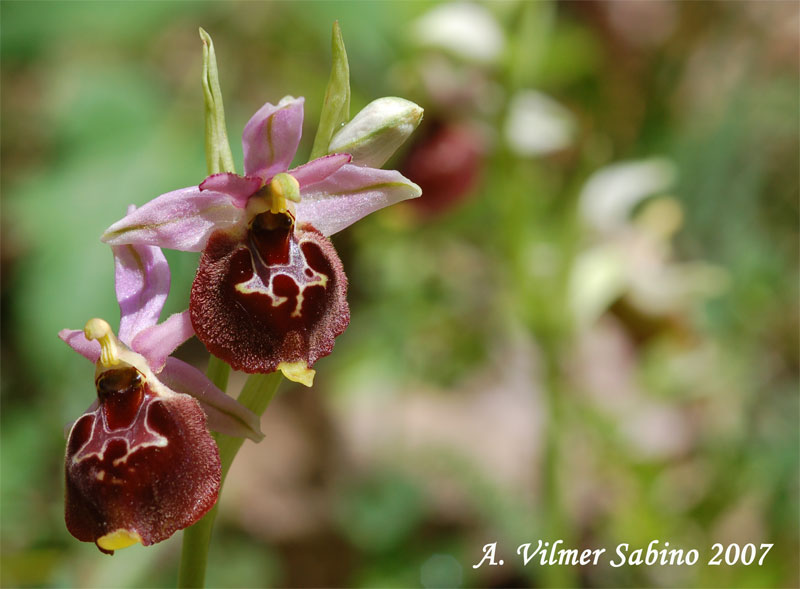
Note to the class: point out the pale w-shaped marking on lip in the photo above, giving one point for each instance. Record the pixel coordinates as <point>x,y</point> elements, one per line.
<point>295,268</point>
<point>100,428</point>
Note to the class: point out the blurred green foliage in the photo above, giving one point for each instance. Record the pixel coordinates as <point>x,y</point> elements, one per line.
<point>102,107</point>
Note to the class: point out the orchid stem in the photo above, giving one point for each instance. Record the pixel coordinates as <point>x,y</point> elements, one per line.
<point>554,515</point>
<point>218,372</point>
<point>256,395</point>
<point>259,389</point>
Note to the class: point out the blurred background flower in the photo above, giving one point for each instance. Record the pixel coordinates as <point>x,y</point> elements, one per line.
<point>587,328</point>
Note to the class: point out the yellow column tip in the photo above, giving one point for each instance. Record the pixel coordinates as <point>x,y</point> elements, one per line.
<point>102,332</point>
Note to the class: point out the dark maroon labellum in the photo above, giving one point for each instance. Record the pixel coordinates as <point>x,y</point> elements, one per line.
<point>276,296</point>
<point>141,463</point>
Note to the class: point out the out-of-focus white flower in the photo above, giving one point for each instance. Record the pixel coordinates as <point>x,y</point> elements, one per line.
<point>597,280</point>
<point>537,124</point>
<point>638,266</point>
<point>612,192</point>
<point>466,30</point>
<point>632,256</point>
<point>663,286</point>
<point>459,87</point>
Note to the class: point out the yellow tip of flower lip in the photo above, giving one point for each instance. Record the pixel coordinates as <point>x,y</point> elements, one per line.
<point>298,372</point>
<point>118,539</point>
<point>102,332</point>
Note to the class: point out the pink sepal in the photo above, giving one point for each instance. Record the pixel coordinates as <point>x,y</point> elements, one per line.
<point>180,220</point>
<point>350,193</point>
<point>225,414</point>
<point>271,137</point>
<point>142,284</point>
<point>75,339</point>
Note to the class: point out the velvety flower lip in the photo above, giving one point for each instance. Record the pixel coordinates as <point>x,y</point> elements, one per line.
<point>141,465</point>
<point>140,462</point>
<point>273,302</point>
<point>270,292</point>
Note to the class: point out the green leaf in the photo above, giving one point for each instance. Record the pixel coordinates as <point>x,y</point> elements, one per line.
<point>336,108</point>
<point>218,151</point>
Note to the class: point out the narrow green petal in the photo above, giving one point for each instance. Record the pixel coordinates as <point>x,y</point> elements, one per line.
<point>336,108</point>
<point>218,151</point>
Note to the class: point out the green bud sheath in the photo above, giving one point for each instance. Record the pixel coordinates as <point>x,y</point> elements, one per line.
<point>218,151</point>
<point>377,131</point>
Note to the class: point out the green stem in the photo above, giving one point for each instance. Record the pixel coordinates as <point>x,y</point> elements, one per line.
<point>259,388</point>
<point>256,395</point>
<point>217,372</point>
<point>555,524</point>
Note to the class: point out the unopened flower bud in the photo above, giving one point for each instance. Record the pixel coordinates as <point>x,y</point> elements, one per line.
<point>377,131</point>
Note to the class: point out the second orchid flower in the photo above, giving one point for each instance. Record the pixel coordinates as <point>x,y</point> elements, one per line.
<point>140,463</point>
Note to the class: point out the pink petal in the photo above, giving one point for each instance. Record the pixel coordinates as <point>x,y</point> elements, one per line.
<point>181,220</point>
<point>157,342</point>
<point>351,193</point>
<point>271,137</point>
<point>239,188</point>
<point>142,284</point>
<point>319,169</point>
<point>78,342</point>
<point>225,415</point>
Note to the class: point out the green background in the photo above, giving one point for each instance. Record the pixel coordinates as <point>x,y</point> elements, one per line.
<point>464,405</point>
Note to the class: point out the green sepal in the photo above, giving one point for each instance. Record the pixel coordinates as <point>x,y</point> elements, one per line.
<point>218,151</point>
<point>336,107</point>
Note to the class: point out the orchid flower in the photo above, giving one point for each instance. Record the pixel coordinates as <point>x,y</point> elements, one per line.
<point>140,462</point>
<point>269,293</point>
